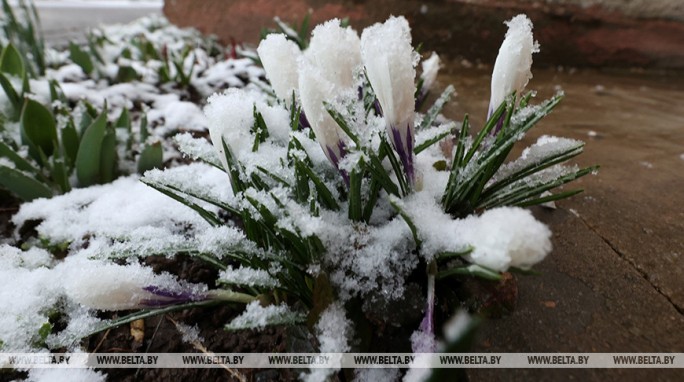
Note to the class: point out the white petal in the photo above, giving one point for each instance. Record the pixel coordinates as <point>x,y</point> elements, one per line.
<point>512,69</point>
<point>279,57</point>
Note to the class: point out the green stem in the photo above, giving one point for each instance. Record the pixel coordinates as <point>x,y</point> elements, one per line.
<point>230,296</point>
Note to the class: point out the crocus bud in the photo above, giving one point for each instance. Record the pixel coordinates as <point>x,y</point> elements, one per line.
<point>390,63</point>
<point>512,69</point>
<point>106,286</point>
<point>314,91</point>
<point>279,56</point>
<point>326,74</point>
<point>336,52</point>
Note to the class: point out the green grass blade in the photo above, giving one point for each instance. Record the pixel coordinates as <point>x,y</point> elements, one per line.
<point>434,111</point>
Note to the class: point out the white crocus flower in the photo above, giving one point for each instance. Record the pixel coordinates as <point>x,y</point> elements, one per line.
<point>336,51</point>
<point>326,74</point>
<point>279,56</point>
<point>512,69</point>
<point>390,63</point>
<point>314,90</point>
<point>104,286</point>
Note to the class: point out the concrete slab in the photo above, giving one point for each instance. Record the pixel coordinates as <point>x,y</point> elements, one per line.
<point>613,281</point>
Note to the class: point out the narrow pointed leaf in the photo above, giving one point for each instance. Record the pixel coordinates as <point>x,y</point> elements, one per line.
<point>80,58</point>
<point>108,157</point>
<point>90,152</point>
<point>24,186</point>
<point>38,126</point>
<point>11,62</point>
<point>152,156</point>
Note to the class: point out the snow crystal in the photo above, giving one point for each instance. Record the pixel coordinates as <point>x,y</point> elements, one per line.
<point>422,341</point>
<point>333,331</point>
<point>80,323</point>
<point>256,316</point>
<point>373,375</point>
<point>247,276</point>
<point>362,259</point>
<point>5,162</point>
<point>501,237</point>
<point>198,179</point>
<point>110,210</point>
<point>231,118</point>
<point>505,237</point>
<point>279,57</point>
<point>197,148</point>
<point>545,147</point>
<point>455,328</point>
<point>335,52</point>
<point>27,293</point>
<point>191,334</point>
<point>415,374</point>
<point>32,258</point>
<point>178,115</point>
<point>65,375</point>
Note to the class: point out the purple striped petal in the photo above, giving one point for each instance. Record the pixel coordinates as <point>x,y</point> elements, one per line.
<point>335,158</point>
<point>169,297</point>
<point>404,147</point>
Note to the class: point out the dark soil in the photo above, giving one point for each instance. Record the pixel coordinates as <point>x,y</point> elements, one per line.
<point>162,336</point>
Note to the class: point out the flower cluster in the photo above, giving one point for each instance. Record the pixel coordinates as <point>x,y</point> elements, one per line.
<point>340,190</point>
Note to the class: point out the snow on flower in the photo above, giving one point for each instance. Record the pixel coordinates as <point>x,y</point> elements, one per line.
<point>336,52</point>
<point>279,57</point>
<point>231,117</point>
<point>103,286</point>
<point>390,64</point>
<point>512,69</point>
<point>314,91</point>
<point>326,74</point>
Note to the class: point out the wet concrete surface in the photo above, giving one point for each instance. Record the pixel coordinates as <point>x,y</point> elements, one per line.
<point>613,282</point>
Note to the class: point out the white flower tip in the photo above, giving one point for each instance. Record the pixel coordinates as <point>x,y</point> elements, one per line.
<point>104,286</point>
<point>279,57</point>
<point>336,52</point>
<point>512,69</point>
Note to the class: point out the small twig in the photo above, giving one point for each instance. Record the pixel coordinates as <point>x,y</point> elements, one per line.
<point>104,337</point>
<point>149,345</point>
<point>198,345</point>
